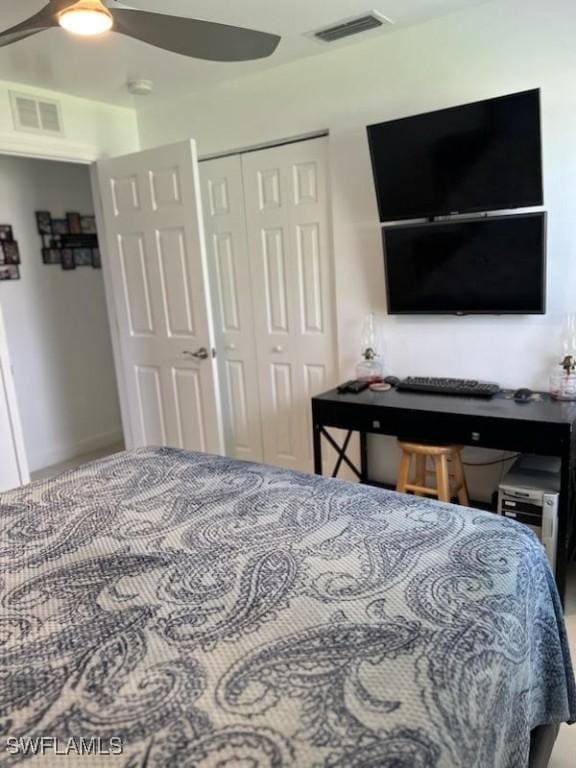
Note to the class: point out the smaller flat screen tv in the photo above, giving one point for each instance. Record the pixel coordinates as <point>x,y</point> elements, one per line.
<point>494,265</point>
<point>484,156</point>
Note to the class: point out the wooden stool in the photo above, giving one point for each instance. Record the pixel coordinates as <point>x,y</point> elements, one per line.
<point>440,455</point>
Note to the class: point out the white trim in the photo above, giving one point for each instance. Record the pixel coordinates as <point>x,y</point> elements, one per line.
<point>265,145</point>
<point>41,147</point>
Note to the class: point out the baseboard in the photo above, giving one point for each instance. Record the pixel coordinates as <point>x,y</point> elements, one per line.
<point>67,452</point>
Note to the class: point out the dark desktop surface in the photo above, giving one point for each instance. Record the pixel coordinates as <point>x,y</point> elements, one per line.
<point>542,426</point>
<point>542,408</point>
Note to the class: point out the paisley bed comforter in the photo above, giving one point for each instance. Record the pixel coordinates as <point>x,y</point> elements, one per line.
<point>209,612</point>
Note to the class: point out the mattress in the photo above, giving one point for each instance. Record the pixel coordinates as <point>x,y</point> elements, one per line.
<point>178,609</point>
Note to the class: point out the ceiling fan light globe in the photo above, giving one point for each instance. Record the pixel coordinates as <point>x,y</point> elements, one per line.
<point>86,18</point>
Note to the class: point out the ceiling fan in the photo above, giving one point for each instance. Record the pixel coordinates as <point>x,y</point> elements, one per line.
<point>189,37</point>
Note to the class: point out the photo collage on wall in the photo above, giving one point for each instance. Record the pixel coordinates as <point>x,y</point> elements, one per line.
<point>9,254</point>
<point>70,242</point>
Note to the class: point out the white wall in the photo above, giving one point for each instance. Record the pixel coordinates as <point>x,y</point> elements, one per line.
<point>56,321</point>
<point>92,129</point>
<point>492,49</point>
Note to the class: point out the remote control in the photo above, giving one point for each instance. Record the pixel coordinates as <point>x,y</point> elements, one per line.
<point>353,387</point>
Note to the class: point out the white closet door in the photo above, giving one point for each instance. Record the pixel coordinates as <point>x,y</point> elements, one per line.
<point>228,264</point>
<point>287,214</point>
<point>156,266</point>
<point>13,463</point>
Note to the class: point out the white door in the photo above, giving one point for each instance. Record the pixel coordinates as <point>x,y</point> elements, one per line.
<point>156,268</point>
<point>229,266</point>
<point>287,214</point>
<point>13,463</point>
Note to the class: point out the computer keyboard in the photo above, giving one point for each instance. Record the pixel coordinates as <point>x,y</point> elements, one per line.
<point>465,387</point>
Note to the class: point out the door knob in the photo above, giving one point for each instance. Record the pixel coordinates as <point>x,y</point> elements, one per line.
<point>230,347</point>
<point>201,354</point>
<point>278,349</point>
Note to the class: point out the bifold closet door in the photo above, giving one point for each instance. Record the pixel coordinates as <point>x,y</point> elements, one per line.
<point>233,300</point>
<point>289,246</point>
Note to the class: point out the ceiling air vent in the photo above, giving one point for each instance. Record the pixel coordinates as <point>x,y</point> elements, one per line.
<point>349,27</point>
<point>36,115</point>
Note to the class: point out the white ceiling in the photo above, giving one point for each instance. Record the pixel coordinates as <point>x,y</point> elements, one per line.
<point>99,68</point>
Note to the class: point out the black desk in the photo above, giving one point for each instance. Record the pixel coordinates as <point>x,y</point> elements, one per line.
<point>544,427</point>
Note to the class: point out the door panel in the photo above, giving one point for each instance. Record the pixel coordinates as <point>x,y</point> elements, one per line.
<point>150,403</point>
<point>310,277</point>
<point>226,282</point>
<point>175,278</point>
<point>188,396</point>
<point>284,428</point>
<point>156,267</point>
<point>274,268</point>
<point>287,214</point>
<point>236,381</point>
<point>230,274</point>
<point>165,187</point>
<point>136,284</point>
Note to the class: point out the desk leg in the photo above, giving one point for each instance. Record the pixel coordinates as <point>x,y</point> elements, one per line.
<point>317,448</point>
<point>363,457</point>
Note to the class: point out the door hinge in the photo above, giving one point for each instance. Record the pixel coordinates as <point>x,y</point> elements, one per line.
<point>213,352</point>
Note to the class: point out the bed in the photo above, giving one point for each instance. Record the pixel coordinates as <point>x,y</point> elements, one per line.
<point>211,612</point>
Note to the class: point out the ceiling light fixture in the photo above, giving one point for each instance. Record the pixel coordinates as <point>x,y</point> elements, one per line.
<point>86,18</point>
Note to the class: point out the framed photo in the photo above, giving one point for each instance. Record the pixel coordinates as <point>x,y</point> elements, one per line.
<point>60,226</point>
<point>51,256</point>
<point>44,222</point>
<point>10,252</point>
<point>6,232</point>
<point>74,223</point>
<point>9,272</point>
<point>67,256</point>
<point>88,224</point>
<point>96,260</point>
<point>83,257</point>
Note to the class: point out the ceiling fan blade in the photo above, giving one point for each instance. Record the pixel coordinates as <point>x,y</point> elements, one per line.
<point>193,37</point>
<point>44,19</point>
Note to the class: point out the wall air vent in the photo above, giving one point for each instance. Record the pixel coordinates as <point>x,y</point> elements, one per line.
<point>36,115</point>
<point>349,27</point>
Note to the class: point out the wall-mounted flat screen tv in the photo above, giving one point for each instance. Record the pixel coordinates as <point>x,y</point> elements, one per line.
<point>484,156</point>
<point>494,265</point>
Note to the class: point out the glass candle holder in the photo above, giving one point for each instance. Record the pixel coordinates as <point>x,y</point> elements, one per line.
<point>563,383</point>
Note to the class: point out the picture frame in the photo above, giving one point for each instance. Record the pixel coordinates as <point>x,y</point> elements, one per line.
<point>88,224</point>
<point>51,256</point>
<point>44,222</point>
<point>68,261</point>
<point>9,272</point>
<point>82,257</point>
<point>71,242</point>
<point>6,233</point>
<point>60,226</point>
<point>74,223</point>
<point>11,252</point>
